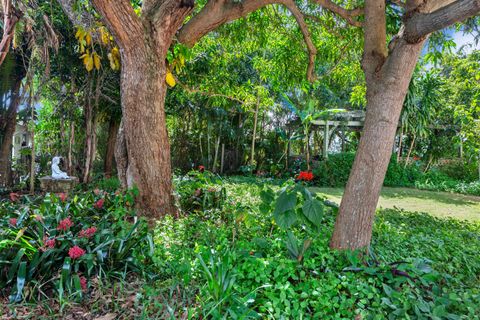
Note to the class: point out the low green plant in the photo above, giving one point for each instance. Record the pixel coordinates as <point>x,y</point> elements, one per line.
<point>61,244</point>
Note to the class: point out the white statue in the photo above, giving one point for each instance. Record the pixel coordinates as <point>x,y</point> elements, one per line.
<point>56,172</point>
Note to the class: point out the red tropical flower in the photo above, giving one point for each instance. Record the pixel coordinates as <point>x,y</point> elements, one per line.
<point>50,243</point>
<point>65,224</point>
<point>13,221</point>
<point>14,196</point>
<point>87,233</point>
<point>62,196</point>
<point>305,176</point>
<point>83,283</point>
<point>76,252</point>
<point>201,168</point>
<point>99,204</point>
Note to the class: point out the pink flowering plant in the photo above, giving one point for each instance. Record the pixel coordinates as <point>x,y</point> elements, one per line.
<point>75,238</point>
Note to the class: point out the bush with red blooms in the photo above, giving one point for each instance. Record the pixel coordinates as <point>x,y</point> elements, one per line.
<point>76,252</point>
<point>305,176</point>
<point>13,222</point>
<point>14,196</point>
<point>65,224</point>
<point>99,204</point>
<point>62,196</point>
<point>54,235</point>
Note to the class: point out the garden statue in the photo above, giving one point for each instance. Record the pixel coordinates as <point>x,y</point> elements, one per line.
<point>56,172</point>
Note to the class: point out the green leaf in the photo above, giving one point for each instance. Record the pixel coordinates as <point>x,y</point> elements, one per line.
<point>313,211</point>
<point>285,219</point>
<point>286,201</point>
<point>292,245</point>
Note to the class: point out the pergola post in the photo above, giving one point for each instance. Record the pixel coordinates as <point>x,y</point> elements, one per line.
<point>325,141</point>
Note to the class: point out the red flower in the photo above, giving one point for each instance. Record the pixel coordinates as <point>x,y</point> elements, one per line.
<point>13,221</point>
<point>87,233</point>
<point>14,196</point>
<point>75,252</point>
<point>65,224</point>
<point>201,168</point>
<point>50,243</point>
<point>83,283</point>
<point>62,196</point>
<point>305,176</point>
<point>99,204</point>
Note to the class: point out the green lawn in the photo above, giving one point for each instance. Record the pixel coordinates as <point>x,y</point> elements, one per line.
<point>440,204</point>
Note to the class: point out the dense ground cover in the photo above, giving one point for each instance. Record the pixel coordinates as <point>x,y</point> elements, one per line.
<point>226,256</point>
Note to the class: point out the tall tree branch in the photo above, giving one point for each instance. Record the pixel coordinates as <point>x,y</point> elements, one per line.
<point>214,14</point>
<point>375,37</point>
<point>348,14</point>
<point>218,12</point>
<point>312,50</point>
<point>420,25</point>
<point>121,20</point>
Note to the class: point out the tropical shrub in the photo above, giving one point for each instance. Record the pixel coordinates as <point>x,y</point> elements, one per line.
<point>200,191</point>
<point>62,244</point>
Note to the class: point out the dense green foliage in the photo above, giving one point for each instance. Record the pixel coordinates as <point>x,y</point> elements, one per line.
<point>228,257</point>
<point>37,237</point>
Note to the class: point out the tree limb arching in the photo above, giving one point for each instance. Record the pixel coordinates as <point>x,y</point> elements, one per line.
<point>121,20</point>
<point>419,25</point>
<point>312,50</point>
<point>348,14</point>
<point>217,12</point>
<point>375,37</point>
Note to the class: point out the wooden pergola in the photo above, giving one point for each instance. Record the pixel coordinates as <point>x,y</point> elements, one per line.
<point>351,120</point>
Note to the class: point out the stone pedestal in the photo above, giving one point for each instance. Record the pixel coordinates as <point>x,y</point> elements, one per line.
<point>48,184</point>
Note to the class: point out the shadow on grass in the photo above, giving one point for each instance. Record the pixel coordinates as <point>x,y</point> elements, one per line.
<point>443,197</point>
<point>406,193</point>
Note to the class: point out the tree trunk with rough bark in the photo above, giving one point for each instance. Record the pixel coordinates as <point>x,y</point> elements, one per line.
<point>148,147</point>
<point>113,127</point>
<point>8,131</point>
<point>386,91</point>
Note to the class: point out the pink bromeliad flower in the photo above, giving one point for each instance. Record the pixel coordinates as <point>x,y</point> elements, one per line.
<point>83,283</point>
<point>76,252</point>
<point>99,204</point>
<point>65,224</point>
<point>14,196</point>
<point>62,196</point>
<point>13,222</point>
<point>87,233</point>
<point>50,243</point>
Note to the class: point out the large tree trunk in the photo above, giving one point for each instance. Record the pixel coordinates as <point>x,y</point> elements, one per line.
<point>111,141</point>
<point>385,95</point>
<point>8,131</point>
<point>148,147</point>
